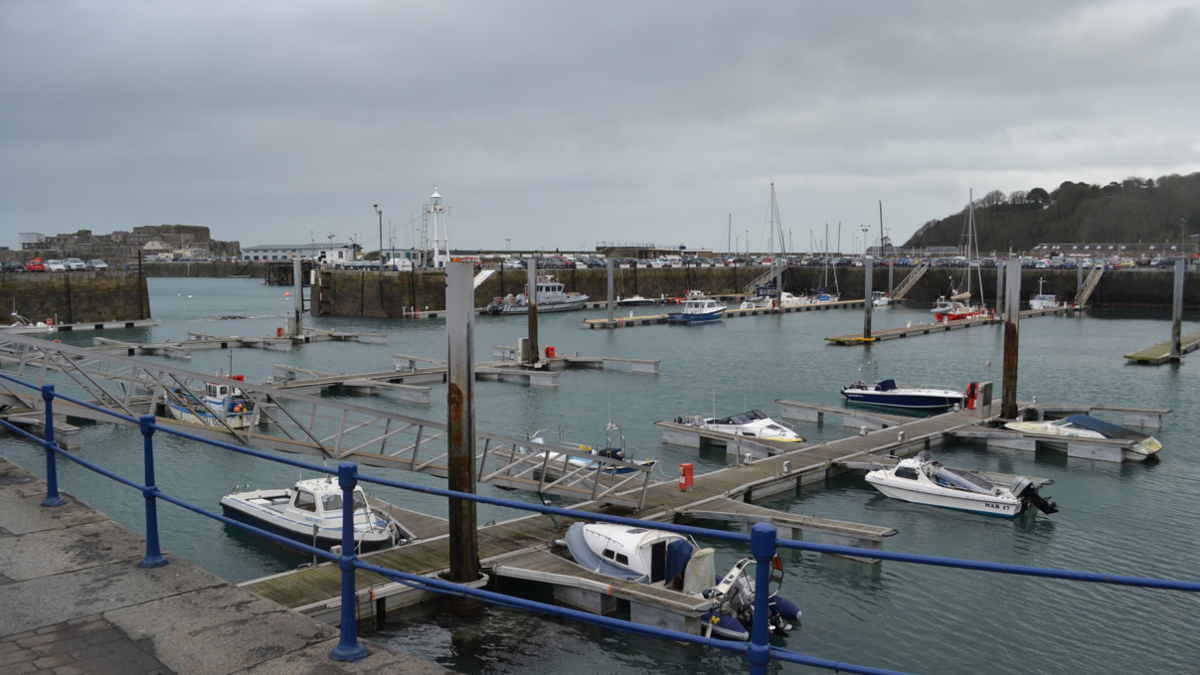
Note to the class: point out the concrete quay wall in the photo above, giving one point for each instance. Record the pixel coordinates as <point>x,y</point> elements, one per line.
<point>76,297</point>
<point>253,270</point>
<point>395,294</point>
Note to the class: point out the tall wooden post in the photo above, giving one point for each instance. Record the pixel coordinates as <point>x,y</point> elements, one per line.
<point>868,271</point>
<point>1177,313</point>
<point>460,400</point>
<point>531,299</point>
<point>1012,317</point>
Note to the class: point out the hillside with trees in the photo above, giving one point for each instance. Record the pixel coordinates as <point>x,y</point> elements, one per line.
<point>1136,210</point>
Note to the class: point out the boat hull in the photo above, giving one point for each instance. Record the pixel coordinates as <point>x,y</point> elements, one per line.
<point>232,420</point>
<point>542,308</point>
<point>696,318</point>
<point>975,503</point>
<point>275,523</point>
<point>902,400</point>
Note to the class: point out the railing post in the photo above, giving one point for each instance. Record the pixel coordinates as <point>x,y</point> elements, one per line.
<point>762,547</point>
<point>52,496</point>
<point>154,556</point>
<point>348,648</point>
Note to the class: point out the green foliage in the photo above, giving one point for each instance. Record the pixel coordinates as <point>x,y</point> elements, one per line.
<point>1132,211</point>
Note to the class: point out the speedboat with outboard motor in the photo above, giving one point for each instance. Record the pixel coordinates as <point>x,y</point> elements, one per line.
<point>555,460</point>
<point>752,424</point>
<point>631,301</point>
<point>697,309</point>
<point>923,480</point>
<point>675,561</point>
<point>1056,433</point>
<point>550,298</point>
<point>312,511</point>
<point>888,393</point>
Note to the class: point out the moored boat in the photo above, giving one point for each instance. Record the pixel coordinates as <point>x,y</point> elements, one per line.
<point>555,460</point>
<point>752,424</point>
<point>674,561</point>
<point>923,480</point>
<point>550,298</point>
<point>311,511</point>
<point>955,309</point>
<point>631,301</point>
<point>880,298</point>
<point>221,405</point>
<point>888,393</point>
<point>1043,300</point>
<point>1056,433</point>
<point>698,309</point>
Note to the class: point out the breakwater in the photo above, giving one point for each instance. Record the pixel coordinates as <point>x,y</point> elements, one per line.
<point>253,270</point>
<point>394,294</point>
<point>76,297</point>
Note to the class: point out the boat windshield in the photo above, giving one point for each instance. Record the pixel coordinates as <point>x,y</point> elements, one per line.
<point>333,502</point>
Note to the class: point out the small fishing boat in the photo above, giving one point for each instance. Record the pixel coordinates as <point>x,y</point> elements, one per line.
<point>1043,300</point>
<point>766,298</point>
<point>697,309</point>
<point>880,298</point>
<point>675,561</point>
<point>312,511</point>
<point>752,423</point>
<point>631,301</point>
<point>922,480</point>
<point>888,393</point>
<point>1056,433</point>
<point>221,405</point>
<point>550,298</point>
<point>555,460</point>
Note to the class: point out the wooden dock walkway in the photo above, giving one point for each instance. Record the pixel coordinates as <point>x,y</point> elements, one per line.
<point>932,328</point>
<point>1161,352</point>
<point>732,313</point>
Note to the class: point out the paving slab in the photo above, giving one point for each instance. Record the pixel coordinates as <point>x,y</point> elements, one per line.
<point>15,480</point>
<point>22,514</point>
<point>50,552</point>
<point>314,660</point>
<point>43,601</point>
<point>219,630</point>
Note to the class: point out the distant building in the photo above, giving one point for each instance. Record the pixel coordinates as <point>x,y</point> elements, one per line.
<point>1139,250</point>
<point>121,244</point>
<point>332,252</point>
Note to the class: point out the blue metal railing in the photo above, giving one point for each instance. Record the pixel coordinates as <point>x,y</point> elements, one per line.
<point>762,539</point>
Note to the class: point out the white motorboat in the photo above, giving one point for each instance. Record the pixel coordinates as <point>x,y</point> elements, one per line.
<point>555,460</point>
<point>674,561</point>
<point>1043,300</point>
<point>922,480</point>
<point>631,301</point>
<point>764,301</point>
<point>550,298</point>
<point>752,424</point>
<point>698,308</point>
<point>312,511</point>
<point>888,393</point>
<point>880,298</point>
<point>1056,433</point>
<point>221,405</point>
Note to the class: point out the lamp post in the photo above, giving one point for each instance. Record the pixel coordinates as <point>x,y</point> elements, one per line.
<point>380,236</point>
<point>864,229</point>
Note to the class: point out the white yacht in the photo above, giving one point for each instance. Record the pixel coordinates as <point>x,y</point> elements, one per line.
<point>1043,300</point>
<point>550,298</point>
<point>752,424</point>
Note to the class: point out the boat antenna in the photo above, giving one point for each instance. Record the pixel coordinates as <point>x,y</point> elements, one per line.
<point>714,403</point>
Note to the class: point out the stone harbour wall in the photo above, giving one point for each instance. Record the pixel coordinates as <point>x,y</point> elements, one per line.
<point>75,297</point>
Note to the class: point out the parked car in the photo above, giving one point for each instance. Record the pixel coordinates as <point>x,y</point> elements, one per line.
<point>74,264</point>
<point>97,265</point>
<point>13,266</point>
<point>513,264</point>
<point>35,265</point>
<point>56,266</point>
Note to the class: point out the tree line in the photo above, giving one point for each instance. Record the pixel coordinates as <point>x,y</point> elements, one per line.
<point>1135,210</point>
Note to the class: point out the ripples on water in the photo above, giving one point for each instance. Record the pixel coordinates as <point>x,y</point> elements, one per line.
<point>1122,519</point>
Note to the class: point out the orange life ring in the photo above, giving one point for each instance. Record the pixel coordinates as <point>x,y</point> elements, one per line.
<point>549,352</point>
<point>279,332</point>
<point>49,321</point>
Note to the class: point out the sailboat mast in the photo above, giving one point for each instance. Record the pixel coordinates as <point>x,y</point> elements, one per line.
<point>880,228</point>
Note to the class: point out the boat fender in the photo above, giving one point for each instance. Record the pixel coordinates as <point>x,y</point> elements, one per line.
<point>279,332</point>
<point>550,352</point>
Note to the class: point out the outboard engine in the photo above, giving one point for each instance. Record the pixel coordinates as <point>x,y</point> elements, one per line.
<point>1023,489</point>
<point>612,453</point>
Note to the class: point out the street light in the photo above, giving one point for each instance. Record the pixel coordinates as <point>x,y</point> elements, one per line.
<point>380,236</point>
<point>864,229</point>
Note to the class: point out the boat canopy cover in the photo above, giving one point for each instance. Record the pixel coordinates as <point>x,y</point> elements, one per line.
<point>886,385</point>
<point>1109,430</point>
<point>966,480</point>
<point>743,418</point>
<point>679,552</point>
<point>700,573</point>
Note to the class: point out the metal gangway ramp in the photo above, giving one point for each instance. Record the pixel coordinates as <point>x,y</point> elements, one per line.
<point>296,422</point>
<point>911,280</point>
<point>1089,285</point>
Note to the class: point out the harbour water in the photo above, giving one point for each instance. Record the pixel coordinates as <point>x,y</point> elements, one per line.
<point>1117,518</point>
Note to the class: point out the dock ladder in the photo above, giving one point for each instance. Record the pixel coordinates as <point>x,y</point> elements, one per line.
<point>911,280</point>
<point>1089,285</point>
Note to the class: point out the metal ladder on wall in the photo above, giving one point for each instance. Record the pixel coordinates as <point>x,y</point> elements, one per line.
<point>1089,285</point>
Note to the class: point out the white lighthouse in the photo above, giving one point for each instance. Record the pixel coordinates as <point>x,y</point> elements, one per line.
<point>435,225</point>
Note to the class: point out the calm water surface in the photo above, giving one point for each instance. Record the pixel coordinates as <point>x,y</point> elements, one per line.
<point>1121,519</point>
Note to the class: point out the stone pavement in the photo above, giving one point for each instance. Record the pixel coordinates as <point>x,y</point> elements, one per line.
<point>73,600</point>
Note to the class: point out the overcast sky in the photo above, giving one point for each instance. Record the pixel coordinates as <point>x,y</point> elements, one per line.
<point>563,124</point>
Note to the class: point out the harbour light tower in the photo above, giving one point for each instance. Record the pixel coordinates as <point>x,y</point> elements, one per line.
<point>435,224</point>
